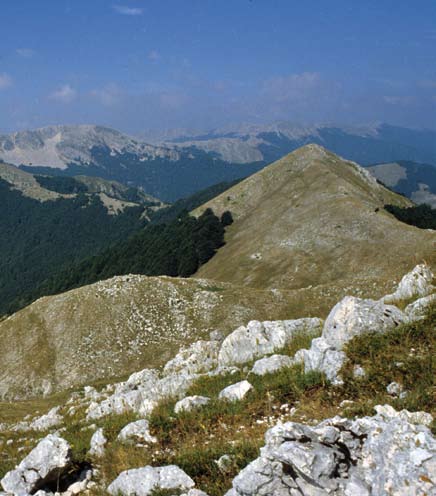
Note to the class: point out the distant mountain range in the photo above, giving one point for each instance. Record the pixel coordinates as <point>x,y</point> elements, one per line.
<point>180,163</point>
<point>366,145</point>
<point>416,181</point>
<point>167,172</point>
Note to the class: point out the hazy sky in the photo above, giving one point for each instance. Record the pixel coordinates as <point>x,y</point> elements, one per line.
<point>146,64</point>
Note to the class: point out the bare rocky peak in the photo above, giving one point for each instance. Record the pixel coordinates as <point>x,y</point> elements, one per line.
<point>58,146</point>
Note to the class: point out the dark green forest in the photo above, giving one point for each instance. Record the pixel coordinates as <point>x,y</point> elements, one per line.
<point>174,249</point>
<point>39,238</point>
<point>422,216</point>
<point>42,243</point>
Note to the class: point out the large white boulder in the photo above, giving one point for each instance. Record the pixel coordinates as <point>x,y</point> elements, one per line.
<point>415,284</point>
<point>258,339</point>
<point>349,318</point>
<point>271,364</point>
<point>355,316</point>
<point>138,431</point>
<point>42,466</point>
<point>144,481</point>
<point>369,456</point>
<point>236,392</point>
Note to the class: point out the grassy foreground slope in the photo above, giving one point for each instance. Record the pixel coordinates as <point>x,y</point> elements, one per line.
<point>195,440</point>
<point>313,219</point>
<point>114,327</point>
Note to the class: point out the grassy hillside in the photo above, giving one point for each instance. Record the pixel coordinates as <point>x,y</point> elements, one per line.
<point>313,218</point>
<point>120,325</point>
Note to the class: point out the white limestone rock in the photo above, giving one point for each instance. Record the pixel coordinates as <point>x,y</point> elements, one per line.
<point>387,412</point>
<point>141,393</point>
<point>355,316</point>
<point>236,392</point>
<point>415,284</point>
<point>138,431</point>
<point>394,389</point>
<point>42,423</point>
<point>271,364</point>
<point>349,318</point>
<point>363,457</point>
<point>98,443</point>
<point>191,403</point>
<point>262,338</point>
<point>358,372</point>
<point>144,481</point>
<point>200,357</point>
<point>419,308</point>
<point>41,466</point>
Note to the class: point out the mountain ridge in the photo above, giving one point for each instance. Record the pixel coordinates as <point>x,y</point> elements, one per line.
<point>312,209</point>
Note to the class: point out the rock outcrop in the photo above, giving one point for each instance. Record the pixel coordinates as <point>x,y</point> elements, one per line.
<point>415,284</point>
<point>47,468</point>
<point>258,339</point>
<point>384,454</point>
<point>144,481</point>
<point>349,318</point>
<point>271,364</point>
<point>138,431</point>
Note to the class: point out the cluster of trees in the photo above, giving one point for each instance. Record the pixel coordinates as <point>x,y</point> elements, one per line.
<point>50,246</point>
<point>422,216</point>
<point>177,248</point>
<point>40,238</point>
<point>61,184</point>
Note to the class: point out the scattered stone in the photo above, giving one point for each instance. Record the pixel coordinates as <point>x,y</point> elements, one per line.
<point>144,481</point>
<point>190,403</point>
<point>42,423</point>
<point>262,338</point>
<point>200,357</point>
<point>138,431</point>
<point>367,456</point>
<point>98,443</point>
<point>225,463</point>
<point>358,372</point>
<point>41,467</point>
<point>394,389</point>
<point>271,364</point>
<point>236,392</point>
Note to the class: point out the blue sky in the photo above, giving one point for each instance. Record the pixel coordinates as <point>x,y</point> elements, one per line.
<point>145,64</point>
